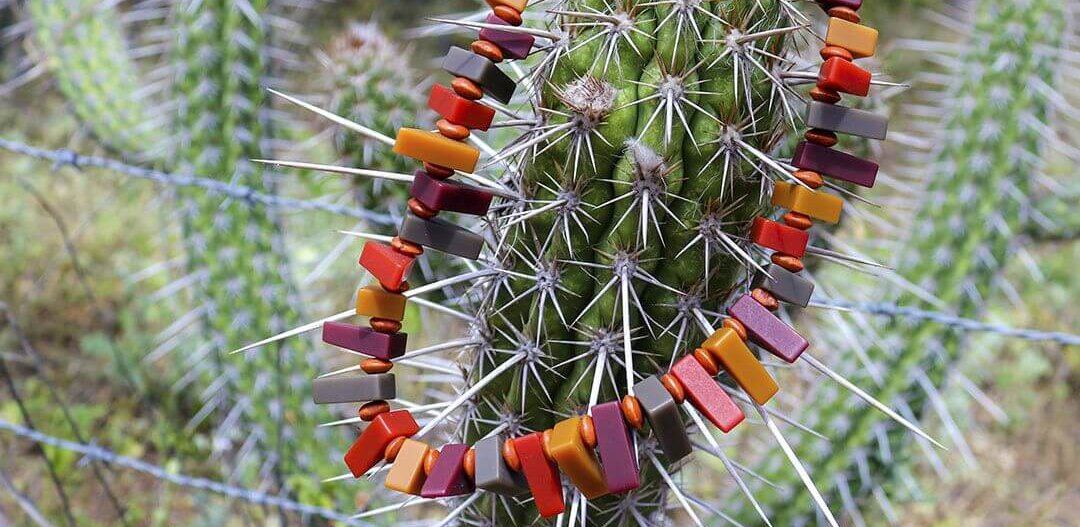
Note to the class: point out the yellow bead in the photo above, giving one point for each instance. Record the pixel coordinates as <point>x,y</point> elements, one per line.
<point>575,459</point>
<point>516,4</point>
<point>813,203</point>
<point>742,365</point>
<point>373,301</point>
<point>433,148</point>
<point>407,473</point>
<point>860,40</point>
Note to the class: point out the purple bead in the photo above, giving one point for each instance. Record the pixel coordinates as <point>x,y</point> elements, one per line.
<point>365,341</point>
<point>616,450</point>
<point>768,331</point>
<point>449,195</point>
<point>447,477</point>
<point>513,45</point>
<point>853,4</point>
<point>835,164</point>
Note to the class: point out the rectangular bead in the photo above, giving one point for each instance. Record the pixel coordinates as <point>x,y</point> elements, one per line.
<point>481,71</point>
<point>447,195</point>
<point>459,110</point>
<point>355,389</point>
<point>860,40</point>
<point>664,419</point>
<point>407,473</point>
<point>785,285</point>
<point>814,203</point>
<point>441,235</point>
<point>541,475</point>
<point>436,149</point>
<point>448,477</point>
<point>839,75</point>
<point>492,474</point>
<point>835,164</point>
<point>768,331</point>
<point>365,341</point>
<point>575,459</point>
<point>616,449</point>
<point>844,120</point>
<point>778,237</point>
<point>513,45</point>
<point>741,364</point>
<point>388,266</point>
<point>368,449</point>
<point>706,394</point>
<point>374,301</point>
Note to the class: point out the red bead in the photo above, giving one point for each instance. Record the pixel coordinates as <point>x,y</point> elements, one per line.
<point>779,237</point>
<point>371,445</point>
<point>388,266</point>
<point>842,76</point>
<point>540,474</point>
<point>706,394</point>
<point>459,110</point>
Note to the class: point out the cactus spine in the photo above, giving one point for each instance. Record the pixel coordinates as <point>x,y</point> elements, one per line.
<point>973,206</point>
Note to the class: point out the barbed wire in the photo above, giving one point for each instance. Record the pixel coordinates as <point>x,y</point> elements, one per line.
<point>75,160</point>
<point>945,319</point>
<point>109,457</point>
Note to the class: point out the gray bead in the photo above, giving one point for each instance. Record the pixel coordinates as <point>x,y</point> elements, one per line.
<point>846,120</point>
<point>492,474</point>
<point>481,71</point>
<point>355,389</point>
<point>664,418</point>
<point>442,236</point>
<point>785,285</point>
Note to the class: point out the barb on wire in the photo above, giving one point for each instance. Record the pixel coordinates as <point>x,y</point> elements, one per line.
<point>945,319</point>
<point>239,192</point>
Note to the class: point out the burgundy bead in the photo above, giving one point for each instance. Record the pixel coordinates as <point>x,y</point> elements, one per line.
<point>365,341</point>
<point>616,450</point>
<point>447,195</point>
<point>768,331</point>
<point>829,4</point>
<point>447,477</point>
<point>513,45</point>
<point>835,164</point>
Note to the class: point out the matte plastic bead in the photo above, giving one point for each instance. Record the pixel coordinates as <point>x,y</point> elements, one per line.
<point>365,341</point>
<point>706,394</point>
<point>459,110</point>
<point>846,120</point>
<point>407,473</point>
<point>481,71</point>
<point>835,164</point>
<point>431,147</point>
<point>448,478</point>
<point>355,389</point>
<point>663,415</point>
<point>374,301</point>
<point>814,203</point>
<point>860,40</point>
<point>442,236</point>
<point>575,459</point>
<point>616,449</point>
<point>778,237</point>
<point>368,449</point>
<point>768,331</point>
<point>742,365</point>
<point>513,45</point>
<point>492,474</point>
<point>388,266</point>
<point>785,285</point>
<point>518,5</point>
<point>541,475</point>
<point>829,4</point>
<point>839,75</point>
<point>449,195</point>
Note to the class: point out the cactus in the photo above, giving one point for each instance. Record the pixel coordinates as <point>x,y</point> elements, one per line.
<point>973,206</point>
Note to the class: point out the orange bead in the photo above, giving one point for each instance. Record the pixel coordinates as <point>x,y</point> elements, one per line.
<point>705,359</point>
<point>845,13</point>
<point>384,325</point>
<point>518,5</point>
<point>821,137</point>
<point>788,262</point>
<point>508,14</point>
<point>736,326</point>
<point>631,409</point>
<point>407,474</point>
<point>451,130</point>
<point>466,88</point>
<point>575,458</point>
<point>470,463</point>
<point>393,448</point>
<point>430,459</point>
<point>406,247</point>
<point>376,366</point>
<point>742,365</point>
<point>437,172</point>
<point>371,409</point>
<point>674,387</point>
<point>487,50</point>
<point>860,40</point>
<point>829,52</point>
<point>546,442</point>
<point>798,220</point>
<point>588,431</point>
<point>825,96</point>
<point>765,298</point>
<point>810,178</point>
<point>374,301</point>
<point>430,147</point>
<point>420,210</point>
<point>811,203</point>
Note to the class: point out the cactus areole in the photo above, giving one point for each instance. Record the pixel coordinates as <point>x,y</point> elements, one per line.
<point>613,245</point>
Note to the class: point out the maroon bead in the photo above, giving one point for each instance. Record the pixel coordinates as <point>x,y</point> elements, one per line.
<point>616,450</point>
<point>835,164</point>
<point>513,45</point>
<point>768,331</point>
<point>365,341</point>
<point>447,477</point>
<point>829,4</point>
<point>447,195</point>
